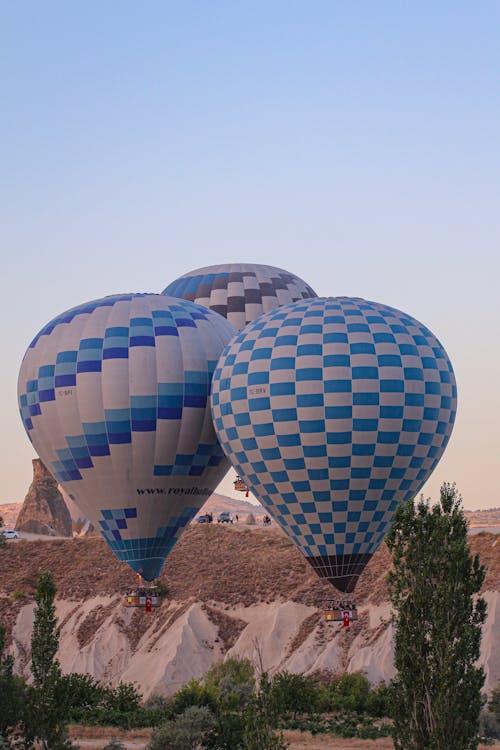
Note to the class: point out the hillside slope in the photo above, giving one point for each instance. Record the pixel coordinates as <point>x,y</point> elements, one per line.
<point>232,590</point>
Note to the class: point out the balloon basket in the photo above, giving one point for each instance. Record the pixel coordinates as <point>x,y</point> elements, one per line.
<point>240,485</point>
<point>143,596</point>
<point>340,610</point>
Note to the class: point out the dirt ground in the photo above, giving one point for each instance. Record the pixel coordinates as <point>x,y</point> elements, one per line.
<point>305,741</point>
<point>95,738</point>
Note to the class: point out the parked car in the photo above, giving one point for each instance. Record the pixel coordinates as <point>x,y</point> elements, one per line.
<point>225,517</point>
<point>201,519</point>
<point>9,533</point>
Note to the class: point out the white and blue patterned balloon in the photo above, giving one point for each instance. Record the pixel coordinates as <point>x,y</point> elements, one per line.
<point>114,396</point>
<point>334,411</point>
<point>240,291</point>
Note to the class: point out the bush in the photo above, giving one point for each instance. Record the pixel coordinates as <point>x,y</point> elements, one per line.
<point>378,701</point>
<point>294,693</point>
<point>194,693</point>
<point>231,681</point>
<point>489,725</point>
<point>89,702</point>
<point>161,588</point>
<point>494,702</point>
<point>350,693</point>
<point>18,596</point>
<point>189,730</point>
<point>114,744</point>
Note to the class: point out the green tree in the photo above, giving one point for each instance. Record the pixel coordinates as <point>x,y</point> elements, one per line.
<point>194,693</point>
<point>436,695</point>
<point>12,694</point>
<point>294,693</point>
<point>261,720</point>
<point>233,680</point>
<point>350,692</point>
<point>46,715</point>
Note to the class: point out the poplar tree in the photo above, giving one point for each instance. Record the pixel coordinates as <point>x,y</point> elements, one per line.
<point>436,694</point>
<point>47,708</point>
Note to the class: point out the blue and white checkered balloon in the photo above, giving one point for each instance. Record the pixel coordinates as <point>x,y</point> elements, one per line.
<point>240,291</point>
<point>114,396</point>
<point>334,411</point>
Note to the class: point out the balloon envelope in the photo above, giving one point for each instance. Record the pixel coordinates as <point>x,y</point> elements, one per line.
<point>114,397</point>
<point>240,291</point>
<point>334,411</point>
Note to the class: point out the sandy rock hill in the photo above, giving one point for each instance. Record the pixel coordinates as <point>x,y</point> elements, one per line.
<point>44,510</point>
<point>232,591</point>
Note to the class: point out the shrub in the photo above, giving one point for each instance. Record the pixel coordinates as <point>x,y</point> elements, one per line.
<point>194,693</point>
<point>161,588</point>
<point>18,596</point>
<point>494,702</point>
<point>232,681</point>
<point>114,744</point>
<point>378,701</point>
<point>350,693</point>
<point>295,693</point>
<point>187,731</point>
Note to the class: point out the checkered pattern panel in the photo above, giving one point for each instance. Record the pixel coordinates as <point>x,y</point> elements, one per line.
<point>240,291</point>
<point>334,411</point>
<point>145,555</point>
<point>114,396</point>
<point>85,309</point>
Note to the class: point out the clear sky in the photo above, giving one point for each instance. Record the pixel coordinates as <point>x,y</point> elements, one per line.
<point>355,144</point>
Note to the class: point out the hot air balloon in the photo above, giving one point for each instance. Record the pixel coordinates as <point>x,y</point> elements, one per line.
<point>333,411</point>
<point>240,291</point>
<point>114,397</point>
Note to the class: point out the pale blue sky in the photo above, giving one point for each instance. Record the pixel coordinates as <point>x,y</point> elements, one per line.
<point>354,144</point>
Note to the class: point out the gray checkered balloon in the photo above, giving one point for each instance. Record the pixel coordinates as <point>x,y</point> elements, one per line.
<point>114,396</point>
<point>240,291</point>
<point>334,411</point>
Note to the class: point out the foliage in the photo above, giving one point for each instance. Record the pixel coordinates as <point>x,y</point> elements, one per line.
<point>194,693</point>
<point>494,702</point>
<point>161,588</point>
<point>436,694</point>
<point>18,596</point>
<point>341,725</point>
<point>350,693</point>
<point>261,720</point>
<point>490,716</point>
<point>233,681</point>
<point>489,726</point>
<point>114,744</point>
<point>3,540</point>
<point>46,704</point>
<point>88,701</point>
<point>82,692</point>
<point>190,730</point>
<point>294,693</point>
<point>12,693</point>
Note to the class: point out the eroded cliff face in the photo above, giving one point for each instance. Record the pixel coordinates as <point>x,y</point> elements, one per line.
<point>44,510</point>
<point>232,592</point>
<point>163,650</point>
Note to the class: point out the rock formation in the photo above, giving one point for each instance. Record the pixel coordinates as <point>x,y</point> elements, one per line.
<point>44,510</point>
<point>237,590</point>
